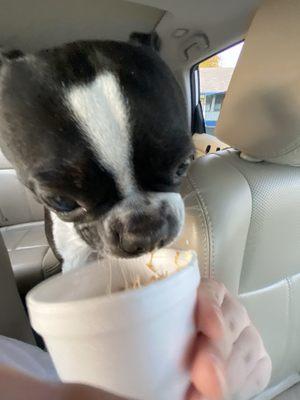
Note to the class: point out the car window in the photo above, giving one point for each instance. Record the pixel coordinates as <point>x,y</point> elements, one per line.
<point>214,76</point>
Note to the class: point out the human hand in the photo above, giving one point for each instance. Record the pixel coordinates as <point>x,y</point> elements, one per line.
<point>230,360</point>
<point>15,385</point>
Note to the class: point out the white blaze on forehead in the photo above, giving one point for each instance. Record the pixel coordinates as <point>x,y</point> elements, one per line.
<point>100,109</point>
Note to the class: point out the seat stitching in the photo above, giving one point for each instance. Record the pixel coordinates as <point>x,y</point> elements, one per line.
<point>247,238</point>
<point>289,321</point>
<point>204,228</point>
<point>209,249</point>
<point>15,247</point>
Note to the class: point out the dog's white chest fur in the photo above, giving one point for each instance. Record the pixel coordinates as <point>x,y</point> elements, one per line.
<point>74,251</point>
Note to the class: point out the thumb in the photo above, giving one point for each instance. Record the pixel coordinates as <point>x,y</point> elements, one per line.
<point>208,371</point>
<point>193,394</point>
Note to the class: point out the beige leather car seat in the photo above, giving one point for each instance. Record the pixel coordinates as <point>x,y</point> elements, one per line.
<point>13,320</point>
<point>22,228</point>
<point>243,206</point>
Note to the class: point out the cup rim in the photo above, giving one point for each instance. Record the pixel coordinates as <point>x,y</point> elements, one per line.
<point>160,295</point>
<point>31,297</point>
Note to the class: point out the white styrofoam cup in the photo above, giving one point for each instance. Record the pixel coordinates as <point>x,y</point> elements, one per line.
<point>131,342</point>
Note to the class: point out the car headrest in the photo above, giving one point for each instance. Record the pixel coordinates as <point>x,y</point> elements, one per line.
<point>261,112</point>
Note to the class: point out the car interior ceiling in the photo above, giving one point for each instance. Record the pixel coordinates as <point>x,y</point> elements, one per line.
<point>192,25</point>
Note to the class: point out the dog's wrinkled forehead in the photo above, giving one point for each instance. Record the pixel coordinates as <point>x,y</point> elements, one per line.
<point>113,103</point>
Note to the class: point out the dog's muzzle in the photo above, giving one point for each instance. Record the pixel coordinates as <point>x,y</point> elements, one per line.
<point>142,223</point>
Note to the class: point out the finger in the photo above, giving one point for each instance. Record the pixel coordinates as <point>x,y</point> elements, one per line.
<point>257,380</point>
<point>214,289</point>
<point>209,318</point>
<point>235,317</point>
<point>246,352</point>
<point>235,320</point>
<point>191,350</point>
<point>14,383</point>
<point>208,373</point>
<point>193,394</point>
<point>197,396</point>
<point>213,317</point>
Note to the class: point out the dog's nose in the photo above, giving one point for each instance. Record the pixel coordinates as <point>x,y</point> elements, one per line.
<point>142,234</point>
<point>135,246</point>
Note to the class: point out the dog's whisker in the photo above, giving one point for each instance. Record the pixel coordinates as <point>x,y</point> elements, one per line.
<point>124,276</point>
<point>109,284</point>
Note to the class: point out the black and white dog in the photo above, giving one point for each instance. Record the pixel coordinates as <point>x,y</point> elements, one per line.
<point>97,130</point>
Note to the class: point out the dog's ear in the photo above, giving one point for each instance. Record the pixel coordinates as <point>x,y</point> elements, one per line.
<point>9,55</point>
<point>13,54</point>
<point>151,40</point>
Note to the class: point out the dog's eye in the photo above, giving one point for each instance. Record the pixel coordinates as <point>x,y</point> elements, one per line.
<point>62,204</point>
<point>182,168</point>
